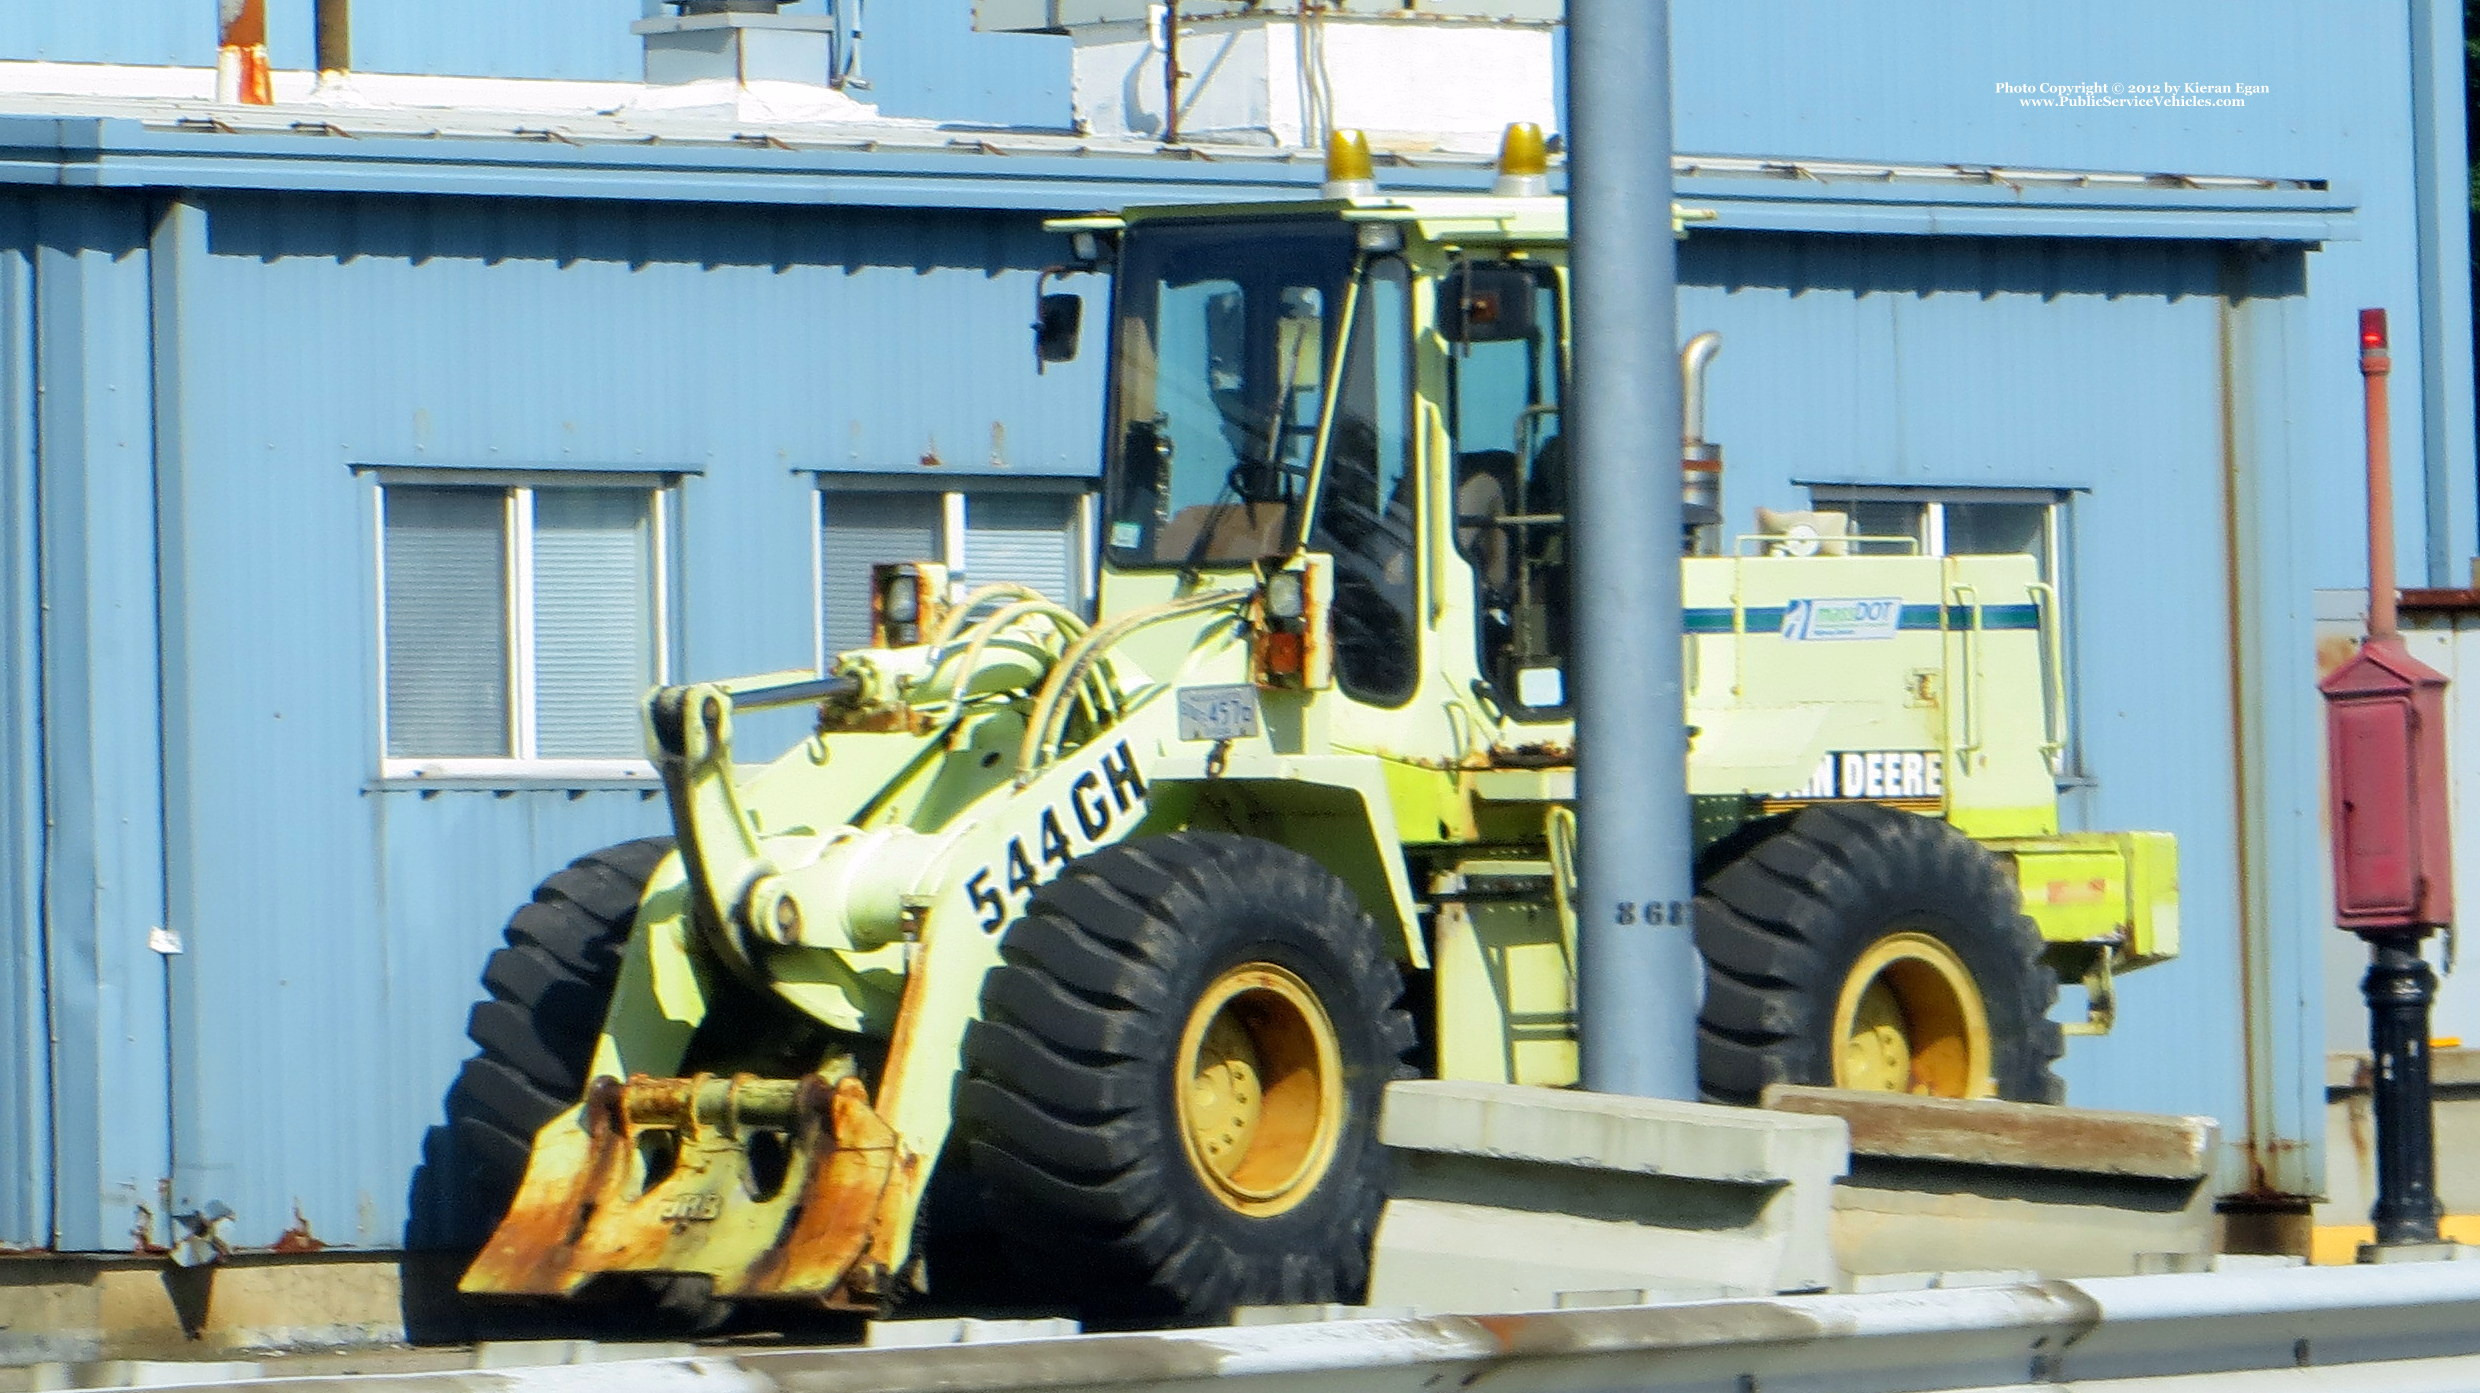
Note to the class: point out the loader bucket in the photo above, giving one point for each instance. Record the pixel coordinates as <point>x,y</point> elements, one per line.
<point>769,1187</point>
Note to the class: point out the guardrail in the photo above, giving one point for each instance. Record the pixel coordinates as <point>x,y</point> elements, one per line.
<point>2407,1328</point>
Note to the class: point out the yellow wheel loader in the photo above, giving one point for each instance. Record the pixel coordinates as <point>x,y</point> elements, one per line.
<point>1113,929</point>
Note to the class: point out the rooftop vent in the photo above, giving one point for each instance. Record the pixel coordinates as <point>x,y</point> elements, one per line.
<point>745,42</point>
<point>1414,74</point>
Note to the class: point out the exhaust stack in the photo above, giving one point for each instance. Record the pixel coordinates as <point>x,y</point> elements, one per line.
<point>1700,460</point>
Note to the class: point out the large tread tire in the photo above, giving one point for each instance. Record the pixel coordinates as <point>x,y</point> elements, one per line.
<point>1783,925</point>
<point>1068,1114</point>
<point>549,987</point>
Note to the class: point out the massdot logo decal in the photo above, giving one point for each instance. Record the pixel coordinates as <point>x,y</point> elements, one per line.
<point>1825,621</point>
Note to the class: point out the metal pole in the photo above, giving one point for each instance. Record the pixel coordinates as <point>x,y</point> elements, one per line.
<point>335,37</point>
<point>1171,72</point>
<point>2399,988</point>
<point>1638,976</point>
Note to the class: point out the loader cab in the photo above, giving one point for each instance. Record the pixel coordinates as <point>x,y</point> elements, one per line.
<point>1262,402</point>
<point>1267,375</point>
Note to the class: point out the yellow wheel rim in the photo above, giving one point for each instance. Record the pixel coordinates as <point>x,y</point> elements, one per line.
<point>1259,1089</point>
<point>1911,1020</point>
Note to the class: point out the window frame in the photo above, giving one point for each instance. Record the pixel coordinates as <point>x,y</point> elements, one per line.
<point>2058,572</point>
<point>1826,497</point>
<point>517,488</point>
<point>1550,278</point>
<point>955,515</point>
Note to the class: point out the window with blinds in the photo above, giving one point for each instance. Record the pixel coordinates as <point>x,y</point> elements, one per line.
<point>522,625</point>
<point>1032,537</point>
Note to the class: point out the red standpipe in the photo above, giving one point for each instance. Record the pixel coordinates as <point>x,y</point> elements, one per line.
<point>2374,364</point>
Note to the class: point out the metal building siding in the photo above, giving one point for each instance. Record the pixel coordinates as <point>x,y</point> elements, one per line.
<point>25,1074</point>
<point>103,877</point>
<point>2089,367</point>
<point>925,60</point>
<point>129,31</point>
<point>655,337</point>
<point>336,932</point>
<point>2271,362</point>
<point>485,38</point>
<point>2442,224</point>
<point>1915,82</point>
<point>587,39</point>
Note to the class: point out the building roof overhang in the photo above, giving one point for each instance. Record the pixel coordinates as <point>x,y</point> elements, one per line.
<point>513,141</point>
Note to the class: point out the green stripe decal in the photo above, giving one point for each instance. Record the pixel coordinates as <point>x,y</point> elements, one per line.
<point>1765,619</point>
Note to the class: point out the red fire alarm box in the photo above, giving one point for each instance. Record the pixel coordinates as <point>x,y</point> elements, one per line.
<point>2385,755</point>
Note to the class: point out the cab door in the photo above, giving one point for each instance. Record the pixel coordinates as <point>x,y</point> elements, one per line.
<point>1506,384</point>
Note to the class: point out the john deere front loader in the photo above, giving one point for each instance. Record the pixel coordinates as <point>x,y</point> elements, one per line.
<point>1117,926</point>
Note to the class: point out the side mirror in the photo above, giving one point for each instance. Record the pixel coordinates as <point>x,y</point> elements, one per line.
<point>1486,302</point>
<point>1057,321</point>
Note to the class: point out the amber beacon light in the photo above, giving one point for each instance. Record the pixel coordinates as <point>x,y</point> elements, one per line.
<point>1350,172</point>
<point>1523,162</point>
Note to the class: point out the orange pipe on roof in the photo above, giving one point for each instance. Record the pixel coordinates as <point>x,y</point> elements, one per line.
<point>241,71</point>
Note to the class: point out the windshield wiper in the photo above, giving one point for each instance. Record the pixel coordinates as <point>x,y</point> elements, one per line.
<point>1269,464</point>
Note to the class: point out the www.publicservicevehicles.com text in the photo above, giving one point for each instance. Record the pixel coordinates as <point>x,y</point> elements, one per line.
<point>2136,94</point>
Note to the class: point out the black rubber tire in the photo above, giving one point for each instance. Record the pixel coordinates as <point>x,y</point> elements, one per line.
<point>1067,1113</point>
<point>550,987</point>
<point>1783,924</point>
<point>535,1035</point>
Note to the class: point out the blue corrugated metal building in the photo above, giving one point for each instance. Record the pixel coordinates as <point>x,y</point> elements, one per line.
<point>242,931</point>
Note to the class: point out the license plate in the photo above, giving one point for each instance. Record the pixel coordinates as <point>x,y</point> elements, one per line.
<point>1218,713</point>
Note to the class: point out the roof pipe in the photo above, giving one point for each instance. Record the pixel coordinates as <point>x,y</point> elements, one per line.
<point>242,76</point>
<point>1693,359</point>
<point>334,19</point>
<point>1700,460</point>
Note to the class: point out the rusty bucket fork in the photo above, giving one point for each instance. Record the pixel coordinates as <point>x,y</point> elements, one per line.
<point>766,1187</point>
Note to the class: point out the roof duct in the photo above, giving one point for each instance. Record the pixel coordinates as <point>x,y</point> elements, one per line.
<point>1414,74</point>
<point>746,42</point>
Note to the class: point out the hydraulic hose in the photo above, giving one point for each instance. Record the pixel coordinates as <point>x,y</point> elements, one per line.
<point>1042,731</point>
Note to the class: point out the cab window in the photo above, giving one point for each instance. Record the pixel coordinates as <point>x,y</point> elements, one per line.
<point>1506,378</point>
<point>1366,498</point>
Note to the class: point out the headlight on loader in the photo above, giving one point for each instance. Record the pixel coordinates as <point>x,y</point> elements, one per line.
<point>1290,645</point>
<point>907,601</point>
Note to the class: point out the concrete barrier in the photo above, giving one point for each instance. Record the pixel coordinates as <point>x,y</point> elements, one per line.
<point>1512,1198</point>
<point>1937,1185</point>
